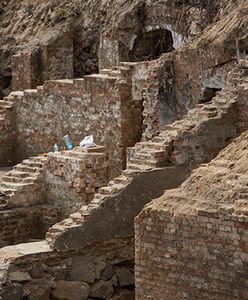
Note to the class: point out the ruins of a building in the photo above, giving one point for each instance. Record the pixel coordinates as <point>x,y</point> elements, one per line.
<point>158,209</point>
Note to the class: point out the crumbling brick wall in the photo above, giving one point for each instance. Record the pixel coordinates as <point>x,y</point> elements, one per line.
<point>177,81</point>
<point>73,177</point>
<point>190,256</point>
<point>7,138</point>
<point>98,105</point>
<point>182,20</point>
<point>191,243</point>
<point>52,61</point>
<point>22,224</point>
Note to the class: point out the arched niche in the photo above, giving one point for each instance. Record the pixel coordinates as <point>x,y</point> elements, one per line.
<point>150,45</point>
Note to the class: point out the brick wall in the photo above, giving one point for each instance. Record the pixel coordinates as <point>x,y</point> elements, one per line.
<point>73,177</point>
<point>98,105</point>
<point>23,224</point>
<point>7,135</point>
<point>57,58</point>
<point>191,243</point>
<point>22,75</point>
<point>51,61</point>
<point>42,191</point>
<point>190,256</point>
<point>176,83</point>
<point>242,95</point>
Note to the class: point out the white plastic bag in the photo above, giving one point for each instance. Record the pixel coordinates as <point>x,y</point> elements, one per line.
<point>88,142</point>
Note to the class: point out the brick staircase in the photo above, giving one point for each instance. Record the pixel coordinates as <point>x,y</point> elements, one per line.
<point>20,183</point>
<point>162,150</point>
<point>158,152</point>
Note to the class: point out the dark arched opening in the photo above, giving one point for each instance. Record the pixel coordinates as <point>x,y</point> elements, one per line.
<point>150,45</point>
<point>208,94</point>
<point>5,85</point>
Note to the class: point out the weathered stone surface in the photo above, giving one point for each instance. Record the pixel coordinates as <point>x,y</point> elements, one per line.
<point>107,273</point>
<point>86,268</point>
<point>13,293</point>
<point>70,290</point>
<point>19,276</point>
<point>102,289</point>
<point>38,289</point>
<point>125,276</point>
<point>124,295</point>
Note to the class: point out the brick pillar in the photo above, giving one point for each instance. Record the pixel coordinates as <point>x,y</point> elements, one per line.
<point>22,71</point>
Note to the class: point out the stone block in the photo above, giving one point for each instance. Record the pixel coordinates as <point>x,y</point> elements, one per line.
<point>70,290</point>
<point>86,268</point>
<point>102,289</point>
<point>125,276</point>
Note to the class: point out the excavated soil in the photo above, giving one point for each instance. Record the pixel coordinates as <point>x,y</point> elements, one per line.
<point>220,184</point>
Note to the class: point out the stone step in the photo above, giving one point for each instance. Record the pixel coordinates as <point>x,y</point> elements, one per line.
<point>15,185</point>
<point>98,197</point>
<point>3,109</point>
<point>5,106</point>
<point>136,161</point>
<point>4,200</point>
<point>150,154</point>
<point>26,168</point>
<point>149,145</point>
<point>209,114</point>
<point>130,173</point>
<point>209,108</point>
<point>7,191</point>
<point>111,189</point>
<point>39,159</point>
<point>4,206</point>
<point>121,179</point>
<point>139,167</point>
<point>32,163</point>
<point>8,179</point>
<point>19,174</point>
<point>106,190</point>
<point>158,139</point>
